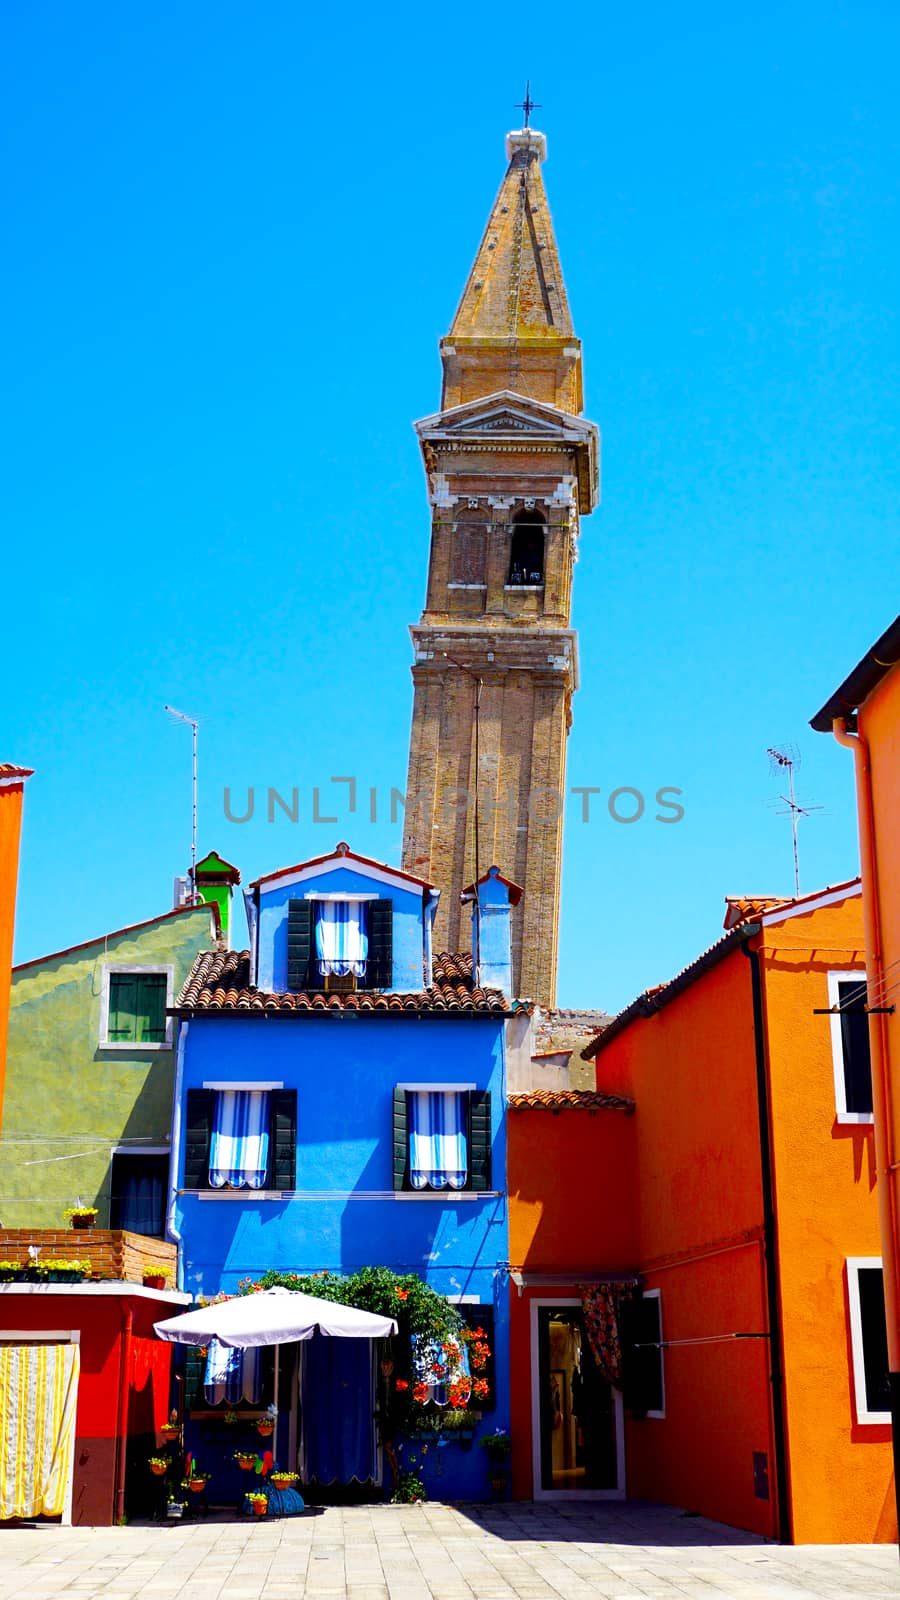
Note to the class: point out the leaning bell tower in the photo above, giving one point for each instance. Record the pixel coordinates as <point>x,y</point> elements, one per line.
<point>511,467</point>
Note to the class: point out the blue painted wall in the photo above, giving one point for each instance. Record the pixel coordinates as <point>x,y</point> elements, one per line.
<point>345,879</point>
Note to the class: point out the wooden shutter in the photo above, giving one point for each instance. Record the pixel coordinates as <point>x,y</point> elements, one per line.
<point>150,1010</point>
<point>479,1139</point>
<point>283,1139</point>
<point>197,1136</point>
<point>300,945</point>
<point>123,998</point>
<point>483,1317</point>
<point>380,965</point>
<point>401,1140</point>
<point>194,1373</point>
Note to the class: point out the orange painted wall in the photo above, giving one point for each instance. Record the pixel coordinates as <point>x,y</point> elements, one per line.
<point>10,830</point>
<point>572,1208</point>
<point>824,1171</point>
<point>691,1069</point>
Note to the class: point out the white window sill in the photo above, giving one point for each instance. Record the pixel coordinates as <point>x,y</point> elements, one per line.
<point>441,1196</point>
<point>235,1194</point>
<point>467,586</point>
<point>523,588</point>
<point>135,1045</point>
<point>855,1118</point>
<point>874,1419</point>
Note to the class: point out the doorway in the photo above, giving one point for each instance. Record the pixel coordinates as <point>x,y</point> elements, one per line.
<point>339,1456</point>
<point>577,1416</point>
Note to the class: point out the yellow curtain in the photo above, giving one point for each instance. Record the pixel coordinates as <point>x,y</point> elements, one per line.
<point>38,1391</point>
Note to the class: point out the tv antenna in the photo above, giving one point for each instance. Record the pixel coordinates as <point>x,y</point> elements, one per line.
<point>193,724</point>
<point>785,758</point>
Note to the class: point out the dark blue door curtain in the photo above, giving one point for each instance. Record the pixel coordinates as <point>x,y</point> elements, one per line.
<point>337,1422</point>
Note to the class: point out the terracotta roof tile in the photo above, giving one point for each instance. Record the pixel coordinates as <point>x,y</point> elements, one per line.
<point>569,1100</point>
<point>9,771</point>
<point>219,981</point>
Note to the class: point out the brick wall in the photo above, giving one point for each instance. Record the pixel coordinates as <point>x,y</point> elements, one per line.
<point>111,1252</point>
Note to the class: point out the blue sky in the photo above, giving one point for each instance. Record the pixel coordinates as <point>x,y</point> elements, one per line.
<point>234,237</point>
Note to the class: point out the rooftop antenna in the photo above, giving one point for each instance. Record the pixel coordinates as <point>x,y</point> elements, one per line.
<point>784,758</point>
<point>193,724</point>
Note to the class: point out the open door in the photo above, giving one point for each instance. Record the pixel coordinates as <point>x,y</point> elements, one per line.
<point>577,1419</point>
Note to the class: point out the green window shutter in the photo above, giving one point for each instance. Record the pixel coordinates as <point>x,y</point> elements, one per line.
<point>401,1140</point>
<point>283,1139</point>
<point>479,1139</point>
<point>380,964</point>
<point>483,1317</point>
<point>151,1007</point>
<point>197,1136</point>
<point>300,945</point>
<point>123,1004</point>
<point>194,1372</point>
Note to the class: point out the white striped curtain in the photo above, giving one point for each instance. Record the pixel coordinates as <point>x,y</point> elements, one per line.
<point>342,942</point>
<point>231,1375</point>
<point>239,1150</point>
<point>437,1139</point>
<point>38,1395</point>
<point>432,1367</point>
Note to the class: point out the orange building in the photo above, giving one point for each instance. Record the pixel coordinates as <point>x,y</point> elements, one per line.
<point>12,789</point>
<point>864,715</point>
<point>739,1200</point>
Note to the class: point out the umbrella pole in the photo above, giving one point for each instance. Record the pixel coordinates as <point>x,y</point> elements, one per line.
<point>275,1395</point>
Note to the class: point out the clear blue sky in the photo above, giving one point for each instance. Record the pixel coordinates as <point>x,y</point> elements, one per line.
<point>234,235</point>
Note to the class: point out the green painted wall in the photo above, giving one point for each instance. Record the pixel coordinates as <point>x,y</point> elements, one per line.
<point>217,894</point>
<point>67,1096</point>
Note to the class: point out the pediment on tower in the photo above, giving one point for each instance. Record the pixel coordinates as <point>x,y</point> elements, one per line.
<point>503,420</point>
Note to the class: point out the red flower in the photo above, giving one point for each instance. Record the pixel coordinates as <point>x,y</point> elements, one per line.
<point>402,1294</point>
<point>480,1386</point>
<point>420,1393</point>
<point>401,1384</point>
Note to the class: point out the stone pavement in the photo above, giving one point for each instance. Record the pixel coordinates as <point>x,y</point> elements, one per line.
<point>437,1552</point>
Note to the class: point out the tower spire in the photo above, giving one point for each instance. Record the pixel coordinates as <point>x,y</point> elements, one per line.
<point>513,328</point>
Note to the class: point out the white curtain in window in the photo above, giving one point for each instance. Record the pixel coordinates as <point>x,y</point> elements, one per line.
<point>437,1139</point>
<point>239,1150</point>
<point>342,943</point>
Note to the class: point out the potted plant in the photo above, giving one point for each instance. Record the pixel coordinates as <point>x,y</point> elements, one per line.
<point>172,1429</point>
<point>81,1216</point>
<point>61,1270</point>
<point>198,1480</point>
<point>174,1508</point>
<point>266,1425</point>
<point>245,1459</point>
<point>157,1277</point>
<point>410,1490</point>
<point>497,1446</point>
<point>282,1480</point>
<point>159,1465</point>
<point>12,1272</point>
<point>258,1504</point>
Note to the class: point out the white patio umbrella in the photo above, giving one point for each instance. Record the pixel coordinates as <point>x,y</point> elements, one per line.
<point>273,1316</point>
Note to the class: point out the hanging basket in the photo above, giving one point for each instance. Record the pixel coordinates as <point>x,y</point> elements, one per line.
<point>171,1430</point>
<point>159,1468</point>
<point>197,1485</point>
<point>265,1426</point>
<point>246,1463</point>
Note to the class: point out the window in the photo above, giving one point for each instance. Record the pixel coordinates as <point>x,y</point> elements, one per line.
<point>240,1138</point>
<point>645,1382</point>
<point>868,1339</point>
<point>442,1138</point>
<point>339,944</point>
<point>526,552</point>
<point>133,1003</point>
<point>850,1046</point>
<point>138,1184</point>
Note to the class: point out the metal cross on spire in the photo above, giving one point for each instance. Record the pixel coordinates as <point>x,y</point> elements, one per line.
<point>527,105</point>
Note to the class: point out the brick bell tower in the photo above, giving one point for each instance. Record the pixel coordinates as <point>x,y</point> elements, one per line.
<point>511,467</point>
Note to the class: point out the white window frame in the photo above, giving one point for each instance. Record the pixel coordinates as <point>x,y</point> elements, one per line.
<point>656,1294</point>
<point>135,1046</point>
<point>837,1047</point>
<point>538,1492</point>
<point>863,1415</point>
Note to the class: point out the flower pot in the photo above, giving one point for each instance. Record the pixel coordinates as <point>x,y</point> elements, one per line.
<point>260,1507</point>
<point>246,1463</point>
<point>19,1276</point>
<point>154,1280</point>
<point>159,1468</point>
<point>170,1430</point>
<point>83,1221</point>
<point>175,1510</point>
<point>60,1275</point>
<point>197,1485</point>
<point>279,1481</point>
<point>387,1367</point>
<point>265,1428</point>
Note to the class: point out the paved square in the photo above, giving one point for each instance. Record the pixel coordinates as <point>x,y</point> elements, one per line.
<point>437,1552</point>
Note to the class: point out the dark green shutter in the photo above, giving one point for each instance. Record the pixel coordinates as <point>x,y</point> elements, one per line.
<point>401,1140</point>
<point>479,1139</point>
<point>380,965</point>
<point>194,1373</point>
<point>123,998</point>
<point>300,945</point>
<point>483,1317</point>
<point>151,1007</point>
<point>197,1136</point>
<point>283,1158</point>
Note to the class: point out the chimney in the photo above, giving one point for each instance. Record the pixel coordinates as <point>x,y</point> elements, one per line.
<point>492,898</point>
<point>215,880</point>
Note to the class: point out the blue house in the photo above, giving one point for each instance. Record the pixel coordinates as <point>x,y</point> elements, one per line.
<point>340,1103</point>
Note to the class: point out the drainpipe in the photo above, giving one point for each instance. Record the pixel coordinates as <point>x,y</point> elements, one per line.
<point>770,1249</point>
<point>175,1150</point>
<point>882,1102</point>
<point>124,1389</point>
